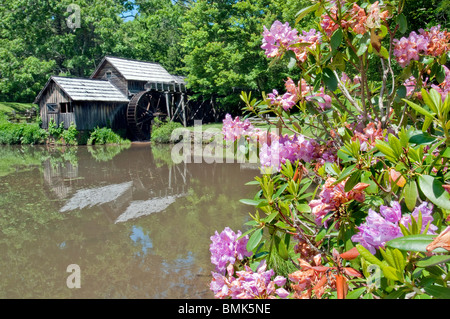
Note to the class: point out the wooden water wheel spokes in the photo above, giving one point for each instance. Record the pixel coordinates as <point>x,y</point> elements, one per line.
<point>140,115</point>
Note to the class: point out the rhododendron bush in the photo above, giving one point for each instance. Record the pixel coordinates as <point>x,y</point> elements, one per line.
<point>354,190</point>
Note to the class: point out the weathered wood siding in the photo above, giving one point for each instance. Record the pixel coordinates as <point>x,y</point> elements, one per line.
<point>54,95</point>
<point>116,78</point>
<point>136,86</point>
<point>89,115</point>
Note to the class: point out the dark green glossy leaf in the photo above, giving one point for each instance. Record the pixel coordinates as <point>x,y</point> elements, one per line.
<point>330,79</point>
<point>422,138</point>
<point>336,39</point>
<point>433,190</point>
<point>254,239</point>
<point>433,260</point>
<point>438,292</point>
<point>413,243</point>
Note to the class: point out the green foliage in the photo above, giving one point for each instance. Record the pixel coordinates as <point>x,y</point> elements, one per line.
<point>222,43</point>
<point>23,133</point>
<point>391,149</point>
<point>70,136</point>
<point>104,135</point>
<point>162,131</point>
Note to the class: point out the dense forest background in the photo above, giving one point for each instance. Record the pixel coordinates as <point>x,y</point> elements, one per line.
<point>214,43</point>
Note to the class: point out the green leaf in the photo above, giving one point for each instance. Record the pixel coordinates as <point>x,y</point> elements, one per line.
<point>410,193</point>
<point>446,153</point>
<point>395,144</point>
<point>355,294</point>
<point>390,272</point>
<point>254,239</point>
<point>352,181</point>
<point>281,248</point>
<point>269,218</point>
<point>399,260</point>
<point>427,98</point>
<point>384,148</point>
<point>345,173</point>
<point>330,79</point>
<point>426,123</point>
<point>251,202</point>
<point>418,108</point>
<point>336,39</point>
<point>433,190</point>
<point>367,255</point>
<point>422,138</point>
<point>413,243</point>
<point>438,291</point>
<point>305,11</point>
<point>290,55</point>
<point>362,48</point>
<point>402,23</point>
<point>433,260</point>
<point>304,208</point>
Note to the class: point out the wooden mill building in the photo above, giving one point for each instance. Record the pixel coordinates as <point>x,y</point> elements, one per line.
<point>120,93</point>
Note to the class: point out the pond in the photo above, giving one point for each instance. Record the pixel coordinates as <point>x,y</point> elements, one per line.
<point>135,223</point>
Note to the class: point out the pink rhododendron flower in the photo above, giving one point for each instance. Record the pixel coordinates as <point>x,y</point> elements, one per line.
<point>433,42</point>
<point>313,37</point>
<point>248,284</point>
<point>382,227</point>
<point>295,93</point>
<point>278,38</point>
<point>355,19</point>
<point>369,135</point>
<point>234,129</point>
<point>334,196</point>
<point>227,248</point>
<point>438,41</point>
<point>286,148</point>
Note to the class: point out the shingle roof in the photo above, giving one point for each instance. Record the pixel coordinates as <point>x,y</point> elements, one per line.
<point>88,90</point>
<point>139,70</point>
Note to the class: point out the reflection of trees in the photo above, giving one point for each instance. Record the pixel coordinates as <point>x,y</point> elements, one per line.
<point>38,242</point>
<point>16,158</point>
<point>104,153</point>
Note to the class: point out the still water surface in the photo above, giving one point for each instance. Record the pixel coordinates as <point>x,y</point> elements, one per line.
<point>136,224</point>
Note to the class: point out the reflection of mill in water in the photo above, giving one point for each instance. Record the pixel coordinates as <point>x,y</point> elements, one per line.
<point>124,188</point>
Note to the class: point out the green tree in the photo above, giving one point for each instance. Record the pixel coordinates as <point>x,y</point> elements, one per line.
<point>222,42</point>
<point>155,33</point>
<point>37,41</point>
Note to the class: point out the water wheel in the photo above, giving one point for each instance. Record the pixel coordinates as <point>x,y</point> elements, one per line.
<point>140,113</point>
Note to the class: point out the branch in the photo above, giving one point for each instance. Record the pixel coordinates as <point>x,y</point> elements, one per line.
<point>346,93</point>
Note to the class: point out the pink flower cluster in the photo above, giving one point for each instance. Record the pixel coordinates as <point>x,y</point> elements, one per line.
<point>433,42</point>
<point>248,284</point>
<point>226,248</point>
<point>444,87</point>
<point>312,37</point>
<point>278,39</point>
<point>275,150</point>
<point>369,135</point>
<point>332,197</point>
<point>281,37</point>
<point>295,93</point>
<point>356,19</point>
<point>285,148</point>
<point>234,129</point>
<point>381,228</point>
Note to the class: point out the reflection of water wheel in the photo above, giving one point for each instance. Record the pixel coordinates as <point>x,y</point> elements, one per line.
<point>140,113</point>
